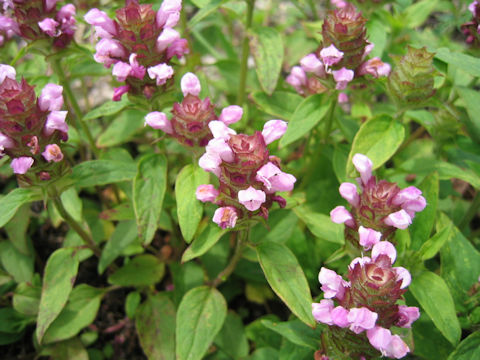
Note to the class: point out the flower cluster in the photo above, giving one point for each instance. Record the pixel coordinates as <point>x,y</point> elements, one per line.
<point>378,210</point>
<point>366,305</point>
<point>341,58</point>
<point>471,29</point>
<point>139,45</point>
<point>38,19</point>
<point>191,118</point>
<point>248,176</point>
<point>31,128</point>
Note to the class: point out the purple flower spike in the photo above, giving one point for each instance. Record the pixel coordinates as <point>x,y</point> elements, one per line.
<point>51,98</point>
<point>7,71</point>
<point>166,38</point>
<point>384,248</point>
<point>161,73</point>
<point>159,120</point>
<point>407,315</point>
<point>21,165</point>
<point>341,215</point>
<point>49,27</point>
<point>404,275</point>
<point>331,55</point>
<point>53,153</point>
<point>361,319</point>
<point>349,192</point>
<point>322,311</point>
<point>311,63</point>
<point>104,26</point>
<point>273,130</point>
<point>364,166</point>
<point>332,284</point>
<point>225,217</point>
<point>274,179</point>
<point>207,193</point>
<point>368,237</point>
<point>251,198</point>
<point>231,114</point>
<point>56,121</point>
<point>342,77</point>
<point>400,219</point>
<point>190,84</point>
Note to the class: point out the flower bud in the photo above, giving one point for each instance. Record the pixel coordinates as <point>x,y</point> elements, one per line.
<point>368,237</point>
<point>399,219</point>
<point>407,315</point>
<point>231,114</point>
<point>51,98</point>
<point>158,120</point>
<point>225,217</point>
<point>273,130</point>
<point>364,166</point>
<point>7,71</point>
<point>101,20</point>
<point>167,37</point>
<point>341,215</point>
<point>349,192</point>
<point>311,63</point>
<point>206,193</point>
<point>21,165</point>
<point>48,26</point>
<point>53,153</point>
<point>190,84</point>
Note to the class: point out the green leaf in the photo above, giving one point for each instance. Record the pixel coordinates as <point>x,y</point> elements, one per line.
<point>143,270</point>
<point>432,293</point>
<point>204,12</point>
<point>281,104</point>
<point>59,276</point>
<point>266,353</point>
<point>155,323</point>
<point>266,46</point>
<point>101,172</point>
<point>321,225</point>
<point>19,265</point>
<point>307,114</point>
<point>80,311</point>
<point>416,14</point>
<point>107,109</point>
<point>468,349</point>
<point>232,338</point>
<point>27,298</point>
<point>72,349</point>
<point>149,188</point>
<point>446,171</point>
<point>13,200</point>
<point>200,317</point>
<point>379,139</point>
<point>122,128</point>
<point>471,98</point>
<point>287,279</point>
<point>467,63</point>
<point>131,303</point>
<point>423,222</point>
<point>189,209</point>
<point>17,227</point>
<point>433,245</point>
<point>203,242</point>
<point>296,332</point>
<point>124,234</point>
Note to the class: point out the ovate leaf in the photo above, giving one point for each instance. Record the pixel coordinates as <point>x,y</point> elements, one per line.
<point>281,104</point>
<point>200,317</point>
<point>13,200</point>
<point>143,270</point>
<point>468,349</point>
<point>101,172</point>
<point>106,109</point>
<point>203,242</point>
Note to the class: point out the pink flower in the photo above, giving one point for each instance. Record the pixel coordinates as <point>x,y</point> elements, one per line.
<point>397,348</point>
<point>109,51</point>
<point>49,27</point>
<point>368,237</point>
<point>297,78</point>
<point>342,77</point>
<point>364,166</point>
<point>251,198</point>
<point>9,27</point>
<point>231,114</point>
<point>218,147</point>
<point>119,91</point>
<point>56,121</point>
<point>21,165</point>
<point>190,84</point>
<point>159,120</point>
<point>220,130</point>
<point>137,70</point>
<point>322,311</point>
<point>210,163</point>
<point>341,215</point>
<point>311,63</point>
<point>167,37</point>
<point>360,260</point>
<point>169,13</point>
<point>349,192</point>
<point>51,98</point>
<point>6,142</point>
<point>379,338</point>
<point>161,73</point>
<point>50,5</point>
<point>273,130</point>
<point>403,275</point>
<point>53,153</point>
<point>375,67</point>
<point>104,26</point>
<point>407,194</point>
<point>332,284</point>
<point>178,48</point>
<point>361,319</point>
<point>7,71</point>
<point>384,248</point>
<point>225,217</point>
<point>274,179</point>
<point>407,315</point>
<point>331,55</point>
<point>399,219</point>
<point>206,193</point>
<point>342,98</point>
<point>121,70</point>
<point>340,316</point>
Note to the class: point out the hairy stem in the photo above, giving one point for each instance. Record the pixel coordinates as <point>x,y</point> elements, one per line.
<point>241,238</point>
<point>245,54</point>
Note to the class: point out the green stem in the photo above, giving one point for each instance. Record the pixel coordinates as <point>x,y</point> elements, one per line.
<point>242,239</point>
<point>328,125</point>
<point>89,242</point>
<point>472,210</point>
<point>57,67</point>
<point>245,54</point>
